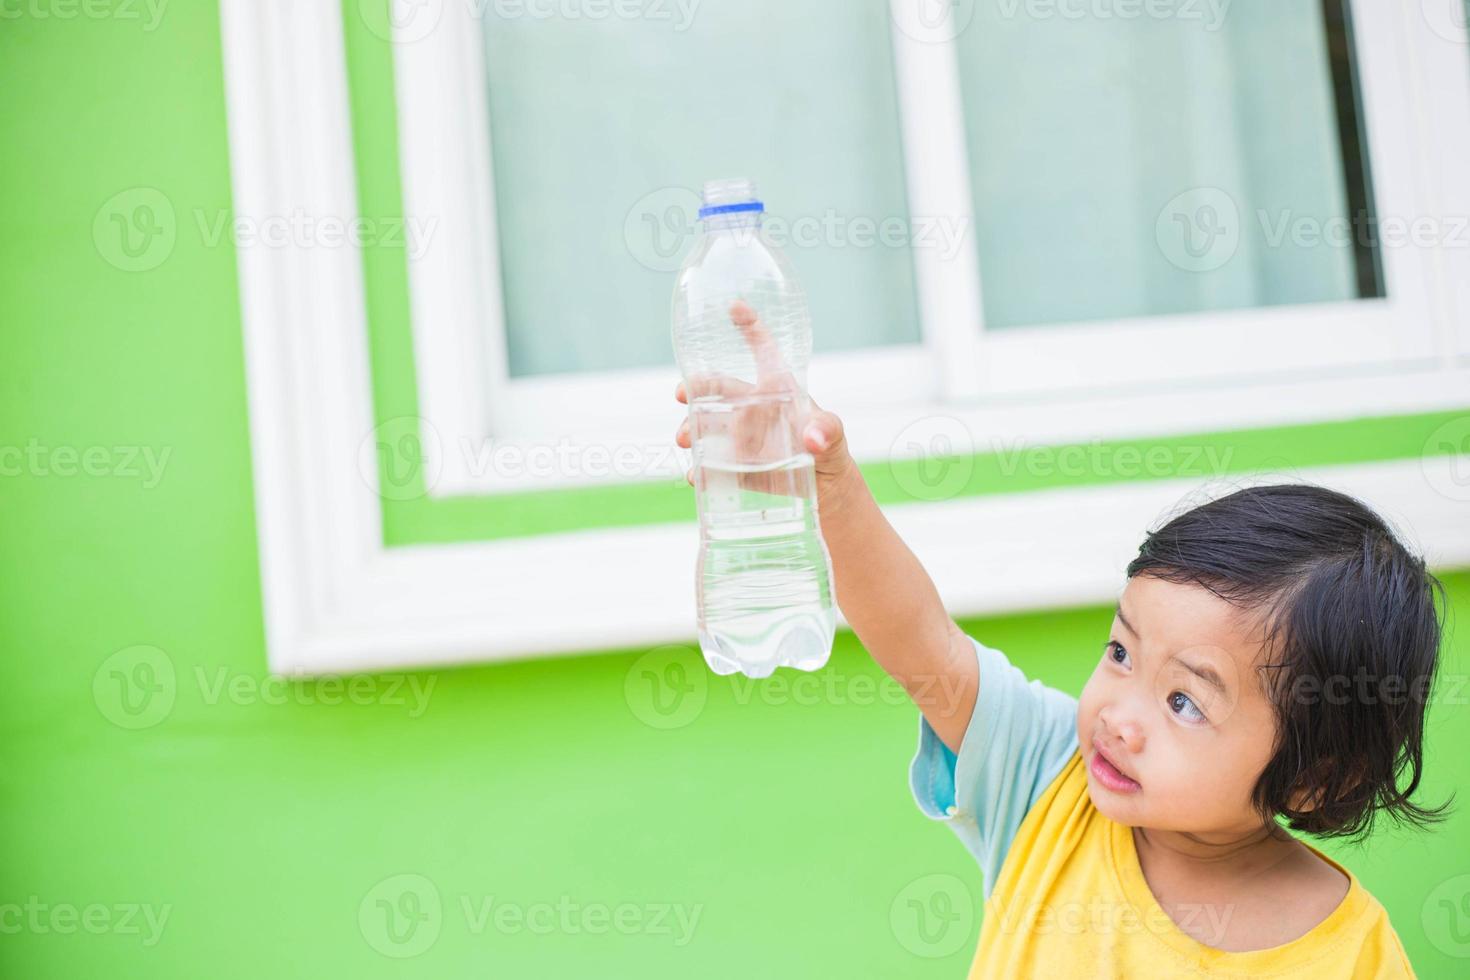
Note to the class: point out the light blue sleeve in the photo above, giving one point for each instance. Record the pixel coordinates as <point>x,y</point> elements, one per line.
<point>1021,735</point>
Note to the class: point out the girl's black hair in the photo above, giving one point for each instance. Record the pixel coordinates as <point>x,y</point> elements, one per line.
<point>1352,632</point>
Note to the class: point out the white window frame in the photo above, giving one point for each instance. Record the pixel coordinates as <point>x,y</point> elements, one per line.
<point>992,381</point>
<point>337,599</point>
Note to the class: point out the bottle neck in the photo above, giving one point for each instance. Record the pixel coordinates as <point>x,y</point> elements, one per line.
<point>750,221</point>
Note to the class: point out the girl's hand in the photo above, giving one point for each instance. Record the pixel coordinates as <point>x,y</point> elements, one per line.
<point>821,432</point>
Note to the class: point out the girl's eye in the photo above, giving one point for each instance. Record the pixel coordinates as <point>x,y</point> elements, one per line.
<point>1181,705</point>
<point>1114,651</point>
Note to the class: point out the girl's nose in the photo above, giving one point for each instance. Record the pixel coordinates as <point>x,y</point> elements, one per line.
<point>1118,723</point>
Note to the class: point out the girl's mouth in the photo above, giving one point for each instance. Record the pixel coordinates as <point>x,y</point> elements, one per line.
<point>1108,775</point>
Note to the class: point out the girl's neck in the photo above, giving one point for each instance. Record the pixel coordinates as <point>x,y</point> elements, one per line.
<point>1245,849</point>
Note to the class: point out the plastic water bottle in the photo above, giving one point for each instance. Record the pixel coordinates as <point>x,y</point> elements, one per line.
<point>742,337</point>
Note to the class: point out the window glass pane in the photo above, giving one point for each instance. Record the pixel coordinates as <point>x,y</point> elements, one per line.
<point>1185,158</point>
<point>603,127</point>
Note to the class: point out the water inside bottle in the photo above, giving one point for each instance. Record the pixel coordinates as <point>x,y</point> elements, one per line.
<point>764,575</point>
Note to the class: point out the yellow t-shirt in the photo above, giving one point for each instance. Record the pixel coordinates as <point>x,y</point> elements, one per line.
<point>1071,901</point>
<point>1064,894</point>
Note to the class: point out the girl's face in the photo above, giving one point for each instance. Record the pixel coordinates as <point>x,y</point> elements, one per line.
<point>1175,726</point>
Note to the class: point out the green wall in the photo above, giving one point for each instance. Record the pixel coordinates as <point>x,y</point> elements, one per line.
<point>267,821</point>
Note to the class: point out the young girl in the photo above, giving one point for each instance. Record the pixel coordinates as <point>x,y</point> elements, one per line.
<point>1270,658</point>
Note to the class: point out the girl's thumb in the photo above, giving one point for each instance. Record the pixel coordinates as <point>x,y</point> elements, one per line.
<point>824,436</point>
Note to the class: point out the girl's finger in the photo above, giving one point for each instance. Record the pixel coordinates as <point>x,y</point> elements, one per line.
<point>713,384</point>
<point>823,434</point>
<point>768,360</point>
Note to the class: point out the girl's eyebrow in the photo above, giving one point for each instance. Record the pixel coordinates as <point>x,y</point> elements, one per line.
<point>1205,673</point>
<point>1118,611</point>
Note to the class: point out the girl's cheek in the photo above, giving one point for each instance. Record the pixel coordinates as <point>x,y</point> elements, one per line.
<point>1089,699</point>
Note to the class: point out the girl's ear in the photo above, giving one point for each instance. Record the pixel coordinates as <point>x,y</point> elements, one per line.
<point>1305,800</point>
<point>1311,786</point>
